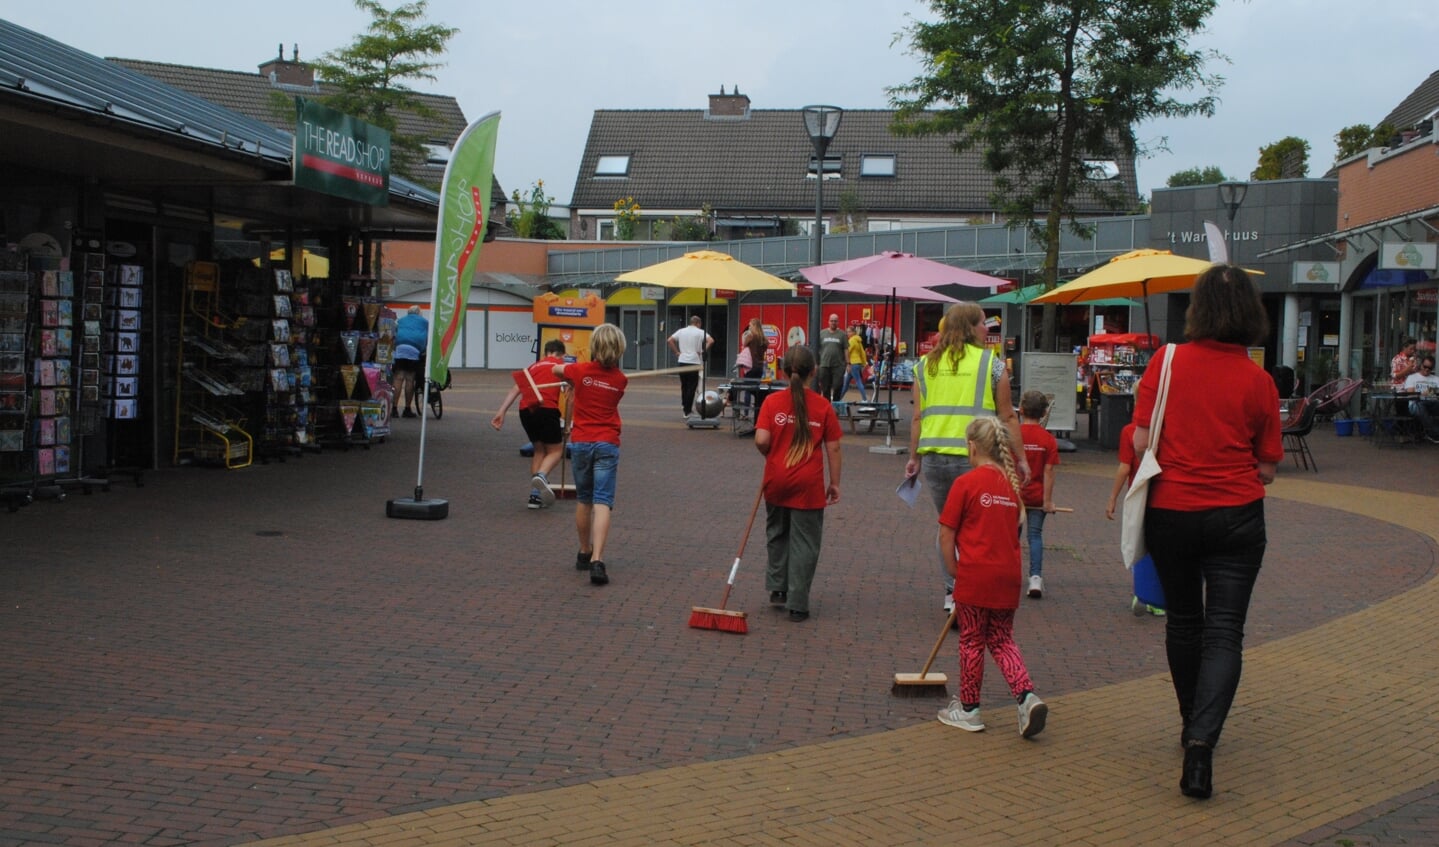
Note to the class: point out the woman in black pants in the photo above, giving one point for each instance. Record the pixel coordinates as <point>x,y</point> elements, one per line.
<point>1219,445</point>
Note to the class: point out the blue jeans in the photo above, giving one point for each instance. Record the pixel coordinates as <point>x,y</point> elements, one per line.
<point>1207,563</point>
<point>596,464</point>
<point>1034,519</point>
<point>940,470</point>
<point>855,373</point>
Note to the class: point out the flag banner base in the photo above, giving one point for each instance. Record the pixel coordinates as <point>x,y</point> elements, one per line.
<point>409,508</point>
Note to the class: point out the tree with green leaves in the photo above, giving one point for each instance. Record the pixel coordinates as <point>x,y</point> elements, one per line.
<point>1209,175</point>
<point>1045,88</point>
<point>1287,158</point>
<point>369,75</point>
<point>1353,140</point>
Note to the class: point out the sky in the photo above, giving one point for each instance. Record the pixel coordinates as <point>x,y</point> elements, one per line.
<point>1295,67</point>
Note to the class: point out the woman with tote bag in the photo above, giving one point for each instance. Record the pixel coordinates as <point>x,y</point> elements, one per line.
<point>1204,526</point>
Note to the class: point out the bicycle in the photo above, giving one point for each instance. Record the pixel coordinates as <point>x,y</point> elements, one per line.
<point>436,396</point>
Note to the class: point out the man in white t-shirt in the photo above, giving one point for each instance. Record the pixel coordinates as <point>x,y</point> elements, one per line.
<point>689,345</point>
<point>1426,408</point>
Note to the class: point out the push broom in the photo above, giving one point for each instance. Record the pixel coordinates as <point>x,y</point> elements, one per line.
<point>723,619</point>
<point>924,683</point>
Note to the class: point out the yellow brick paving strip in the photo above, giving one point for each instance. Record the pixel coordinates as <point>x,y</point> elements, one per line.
<point>1327,723</point>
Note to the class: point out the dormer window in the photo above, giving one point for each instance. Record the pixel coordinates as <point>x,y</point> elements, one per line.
<point>877,165</point>
<point>1101,170</point>
<point>833,166</point>
<point>613,166</point>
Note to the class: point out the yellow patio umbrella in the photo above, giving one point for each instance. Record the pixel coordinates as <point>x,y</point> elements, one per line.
<point>709,270</point>
<point>1137,273</point>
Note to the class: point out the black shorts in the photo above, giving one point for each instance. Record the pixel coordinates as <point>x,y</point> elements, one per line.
<point>409,366</point>
<point>542,425</point>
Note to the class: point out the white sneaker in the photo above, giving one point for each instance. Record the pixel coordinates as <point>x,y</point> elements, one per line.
<point>948,603</point>
<point>542,485</point>
<point>956,715</point>
<point>1036,587</point>
<point>1032,713</point>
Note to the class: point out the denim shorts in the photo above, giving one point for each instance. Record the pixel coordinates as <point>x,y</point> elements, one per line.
<point>596,464</point>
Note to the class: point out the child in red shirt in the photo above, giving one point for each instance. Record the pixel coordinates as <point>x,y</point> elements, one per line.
<point>790,428</point>
<point>541,422</point>
<point>598,386</point>
<point>977,533</point>
<point>1042,453</point>
<point>1128,464</point>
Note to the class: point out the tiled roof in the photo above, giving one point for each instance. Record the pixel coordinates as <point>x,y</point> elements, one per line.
<point>249,94</point>
<point>1421,103</point>
<point>679,159</point>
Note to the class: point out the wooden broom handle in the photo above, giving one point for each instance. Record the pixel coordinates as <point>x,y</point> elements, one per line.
<point>749,525</point>
<point>948,623</point>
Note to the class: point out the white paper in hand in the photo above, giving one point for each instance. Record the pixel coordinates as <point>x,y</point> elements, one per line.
<point>908,490</point>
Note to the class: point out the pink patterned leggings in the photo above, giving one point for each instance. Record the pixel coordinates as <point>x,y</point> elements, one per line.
<point>983,629</point>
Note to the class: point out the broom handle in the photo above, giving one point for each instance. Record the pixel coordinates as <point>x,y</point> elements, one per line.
<point>758,495</point>
<point>949,622</point>
<point>685,369</point>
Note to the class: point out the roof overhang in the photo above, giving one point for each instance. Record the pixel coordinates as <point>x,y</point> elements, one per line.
<point>1370,230</point>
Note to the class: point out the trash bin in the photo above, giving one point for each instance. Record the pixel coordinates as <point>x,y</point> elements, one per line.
<point>1115,412</point>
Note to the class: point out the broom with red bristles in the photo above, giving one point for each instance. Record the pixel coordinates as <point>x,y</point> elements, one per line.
<point>723,619</point>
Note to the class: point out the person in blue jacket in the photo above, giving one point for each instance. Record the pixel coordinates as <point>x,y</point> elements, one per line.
<point>412,333</point>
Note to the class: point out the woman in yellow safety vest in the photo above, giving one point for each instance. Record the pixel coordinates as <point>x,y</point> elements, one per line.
<point>956,382</point>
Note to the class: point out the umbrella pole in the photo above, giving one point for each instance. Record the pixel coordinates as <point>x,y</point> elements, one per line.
<point>888,448</point>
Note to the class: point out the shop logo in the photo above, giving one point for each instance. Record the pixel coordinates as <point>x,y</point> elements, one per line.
<point>1408,257</point>
<point>1317,273</point>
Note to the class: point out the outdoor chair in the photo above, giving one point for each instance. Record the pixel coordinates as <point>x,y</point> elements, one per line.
<point>1332,397</point>
<point>1296,437</point>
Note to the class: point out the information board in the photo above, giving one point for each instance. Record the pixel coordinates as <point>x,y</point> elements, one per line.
<point>1054,375</point>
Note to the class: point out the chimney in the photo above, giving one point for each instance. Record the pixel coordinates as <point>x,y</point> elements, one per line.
<point>731,106</point>
<point>289,74</point>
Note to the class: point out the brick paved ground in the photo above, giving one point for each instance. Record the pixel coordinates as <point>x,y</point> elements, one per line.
<point>220,657</point>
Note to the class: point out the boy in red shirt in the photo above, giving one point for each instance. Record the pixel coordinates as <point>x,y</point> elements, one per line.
<point>541,422</point>
<point>598,386</point>
<point>1042,452</point>
<point>977,534</point>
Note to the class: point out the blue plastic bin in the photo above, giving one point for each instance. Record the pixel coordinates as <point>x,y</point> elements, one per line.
<point>1146,583</point>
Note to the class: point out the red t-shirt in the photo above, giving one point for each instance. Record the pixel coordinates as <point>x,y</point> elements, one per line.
<point>597,401</point>
<point>1126,449</point>
<point>982,510</point>
<point>1040,450</point>
<point>543,373</point>
<point>800,486</point>
<point>1221,421</point>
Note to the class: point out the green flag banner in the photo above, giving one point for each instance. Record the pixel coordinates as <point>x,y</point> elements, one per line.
<point>464,202</point>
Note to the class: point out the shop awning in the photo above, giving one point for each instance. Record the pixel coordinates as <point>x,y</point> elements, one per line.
<point>1365,230</point>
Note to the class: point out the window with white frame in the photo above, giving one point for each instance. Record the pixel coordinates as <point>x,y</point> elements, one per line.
<point>877,165</point>
<point>613,165</point>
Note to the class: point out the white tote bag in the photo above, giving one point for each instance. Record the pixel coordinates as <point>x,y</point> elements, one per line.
<point>1131,528</point>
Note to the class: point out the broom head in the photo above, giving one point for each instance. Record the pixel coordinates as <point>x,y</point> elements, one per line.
<point>919,685</point>
<point>723,620</point>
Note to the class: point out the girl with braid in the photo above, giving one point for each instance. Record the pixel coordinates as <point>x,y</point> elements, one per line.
<point>981,548</point>
<point>790,430</point>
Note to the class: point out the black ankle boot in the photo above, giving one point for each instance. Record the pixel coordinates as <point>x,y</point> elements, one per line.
<point>1198,777</point>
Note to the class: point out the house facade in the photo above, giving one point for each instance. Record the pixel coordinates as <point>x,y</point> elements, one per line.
<point>739,172</point>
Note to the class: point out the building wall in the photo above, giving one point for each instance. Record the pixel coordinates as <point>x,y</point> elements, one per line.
<point>1403,181</point>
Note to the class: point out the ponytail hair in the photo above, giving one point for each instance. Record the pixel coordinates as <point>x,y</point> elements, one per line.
<point>798,365</point>
<point>990,439</point>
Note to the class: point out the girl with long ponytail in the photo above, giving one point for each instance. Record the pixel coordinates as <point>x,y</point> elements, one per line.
<point>790,429</point>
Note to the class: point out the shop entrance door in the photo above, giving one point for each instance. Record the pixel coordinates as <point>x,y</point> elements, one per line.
<point>641,351</point>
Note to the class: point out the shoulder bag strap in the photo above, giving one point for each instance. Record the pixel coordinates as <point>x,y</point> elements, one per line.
<point>1156,422</point>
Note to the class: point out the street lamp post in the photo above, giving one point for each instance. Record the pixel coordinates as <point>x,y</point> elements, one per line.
<point>1231,196</point>
<point>821,122</point>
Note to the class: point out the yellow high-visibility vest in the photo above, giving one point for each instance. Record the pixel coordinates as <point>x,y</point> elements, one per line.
<point>949,400</point>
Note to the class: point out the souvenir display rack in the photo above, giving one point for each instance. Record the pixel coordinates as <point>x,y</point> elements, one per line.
<point>279,382</point>
<point>351,358</point>
<point>214,361</point>
<point>90,320</point>
<point>16,470</point>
